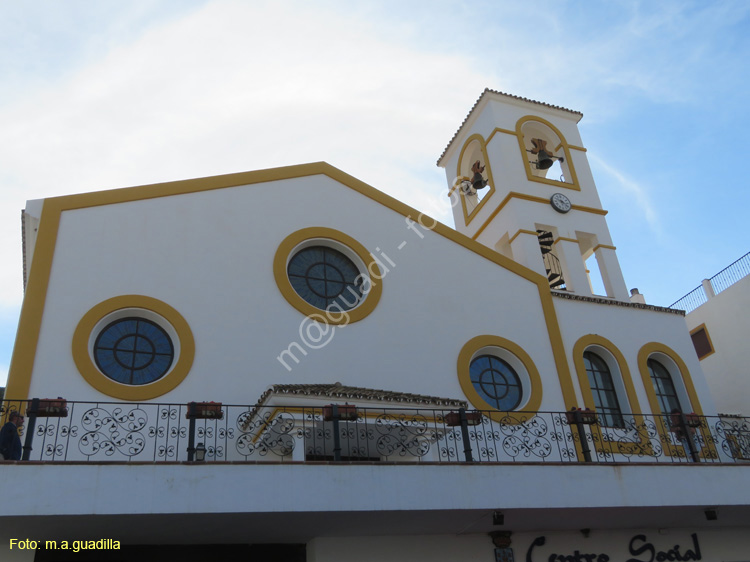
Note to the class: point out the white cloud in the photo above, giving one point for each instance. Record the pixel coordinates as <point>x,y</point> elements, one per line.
<point>638,193</point>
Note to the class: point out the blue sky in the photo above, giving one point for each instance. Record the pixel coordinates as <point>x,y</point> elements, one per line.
<point>106,94</point>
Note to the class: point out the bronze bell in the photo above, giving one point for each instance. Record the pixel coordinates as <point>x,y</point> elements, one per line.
<point>543,160</point>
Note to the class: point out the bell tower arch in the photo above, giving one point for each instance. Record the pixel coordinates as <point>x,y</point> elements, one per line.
<point>520,183</point>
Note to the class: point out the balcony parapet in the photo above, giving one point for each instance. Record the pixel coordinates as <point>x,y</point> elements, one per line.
<point>104,432</point>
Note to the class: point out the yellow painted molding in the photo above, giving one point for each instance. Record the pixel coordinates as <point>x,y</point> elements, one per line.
<point>465,356</point>
<point>593,340</point>
<point>563,239</point>
<point>469,216</point>
<point>92,374</point>
<point>603,446</point>
<point>499,130</point>
<point>708,336</point>
<point>456,184</point>
<point>573,147</point>
<point>604,246</point>
<point>644,354</point>
<point>522,231</point>
<point>32,311</point>
<point>534,198</point>
<point>527,166</point>
<point>336,317</point>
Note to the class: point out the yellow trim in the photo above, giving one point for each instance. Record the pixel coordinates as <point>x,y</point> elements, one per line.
<point>465,356</point>
<point>643,356</point>
<point>527,166</point>
<point>468,217</point>
<point>573,147</point>
<point>522,231</point>
<point>579,348</point>
<point>94,376</point>
<point>605,246</point>
<point>459,179</point>
<point>708,336</point>
<point>24,351</point>
<point>499,130</point>
<point>281,260</point>
<point>563,239</point>
<point>535,199</point>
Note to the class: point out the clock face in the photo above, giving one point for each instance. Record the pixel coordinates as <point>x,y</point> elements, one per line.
<point>560,203</point>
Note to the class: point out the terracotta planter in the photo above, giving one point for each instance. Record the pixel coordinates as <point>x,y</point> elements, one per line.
<point>692,420</point>
<point>204,411</point>
<point>347,412</point>
<point>453,419</point>
<point>51,408</point>
<point>587,417</point>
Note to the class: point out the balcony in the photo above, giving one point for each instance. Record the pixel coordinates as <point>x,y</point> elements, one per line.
<point>60,431</point>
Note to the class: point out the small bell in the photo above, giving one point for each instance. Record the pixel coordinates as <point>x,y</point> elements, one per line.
<point>543,160</point>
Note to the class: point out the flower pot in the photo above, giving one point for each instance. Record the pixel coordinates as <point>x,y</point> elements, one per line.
<point>346,412</point>
<point>204,411</point>
<point>453,419</point>
<point>51,408</point>
<point>693,420</point>
<point>585,416</point>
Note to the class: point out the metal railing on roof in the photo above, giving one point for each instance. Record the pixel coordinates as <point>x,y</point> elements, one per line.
<point>719,282</point>
<point>62,431</point>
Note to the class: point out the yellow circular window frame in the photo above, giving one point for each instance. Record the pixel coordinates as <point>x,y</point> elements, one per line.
<point>467,353</point>
<point>374,275</point>
<point>92,374</point>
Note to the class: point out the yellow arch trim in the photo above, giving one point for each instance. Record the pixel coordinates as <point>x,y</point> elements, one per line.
<point>530,176</point>
<point>32,311</point>
<point>469,216</point>
<point>281,259</point>
<point>579,348</point>
<point>464,375</point>
<point>95,378</point>
<point>591,340</point>
<point>644,354</point>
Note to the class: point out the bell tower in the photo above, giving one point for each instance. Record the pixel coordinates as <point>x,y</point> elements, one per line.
<point>520,183</point>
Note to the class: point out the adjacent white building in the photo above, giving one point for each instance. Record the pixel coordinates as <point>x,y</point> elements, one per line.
<point>389,387</point>
<point>718,325</point>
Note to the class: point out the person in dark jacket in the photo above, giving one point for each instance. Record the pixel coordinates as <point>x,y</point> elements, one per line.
<point>10,442</point>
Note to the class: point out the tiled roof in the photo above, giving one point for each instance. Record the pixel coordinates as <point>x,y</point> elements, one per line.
<point>488,90</point>
<point>340,391</point>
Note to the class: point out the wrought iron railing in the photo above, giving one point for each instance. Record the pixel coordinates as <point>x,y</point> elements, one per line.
<point>148,432</point>
<point>719,282</point>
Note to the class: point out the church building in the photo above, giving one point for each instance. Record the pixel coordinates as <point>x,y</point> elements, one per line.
<point>288,364</point>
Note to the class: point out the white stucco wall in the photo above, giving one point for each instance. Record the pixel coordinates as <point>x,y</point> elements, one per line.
<point>727,324</point>
<point>209,255</point>
<point>630,328</point>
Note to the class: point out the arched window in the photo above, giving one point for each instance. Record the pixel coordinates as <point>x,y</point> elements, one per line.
<point>664,387</point>
<point>603,390</point>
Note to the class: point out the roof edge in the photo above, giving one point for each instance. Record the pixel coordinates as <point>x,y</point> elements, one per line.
<point>489,91</point>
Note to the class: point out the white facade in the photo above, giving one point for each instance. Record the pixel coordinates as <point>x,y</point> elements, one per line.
<point>209,262</point>
<point>725,364</point>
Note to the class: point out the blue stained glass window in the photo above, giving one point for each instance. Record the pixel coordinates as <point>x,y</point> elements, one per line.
<point>133,351</point>
<point>323,277</point>
<point>496,382</point>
